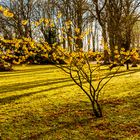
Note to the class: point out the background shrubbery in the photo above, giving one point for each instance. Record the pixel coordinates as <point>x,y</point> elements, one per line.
<point>27,51</point>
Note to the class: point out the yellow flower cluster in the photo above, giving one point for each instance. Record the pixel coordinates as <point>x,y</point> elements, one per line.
<point>24,22</point>
<point>20,50</point>
<point>6,12</point>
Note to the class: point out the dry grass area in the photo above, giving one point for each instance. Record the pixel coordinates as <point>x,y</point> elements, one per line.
<point>40,102</point>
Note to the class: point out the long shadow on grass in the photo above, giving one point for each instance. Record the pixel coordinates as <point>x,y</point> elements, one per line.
<point>16,97</point>
<point>27,71</point>
<point>20,74</point>
<point>121,73</point>
<point>33,84</point>
<point>124,72</point>
<point>38,83</point>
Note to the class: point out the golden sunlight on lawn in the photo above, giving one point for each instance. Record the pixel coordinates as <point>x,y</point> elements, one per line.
<point>41,102</point>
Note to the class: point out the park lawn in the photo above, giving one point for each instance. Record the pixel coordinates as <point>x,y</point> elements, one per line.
<point>41,102</point>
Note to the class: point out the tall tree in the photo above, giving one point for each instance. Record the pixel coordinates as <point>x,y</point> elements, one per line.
<point>117,19</point>
<point>21,21</point>
<point>74,11</point>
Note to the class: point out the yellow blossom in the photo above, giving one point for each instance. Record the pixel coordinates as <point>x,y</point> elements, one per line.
<point>24,22</point>
<point>59,15</point>
<point>1,8</point>
<point>46,21</point>
<point>7,13</point>
<point>37,23</point>
<point>41,20</point>
<point>77,30</point>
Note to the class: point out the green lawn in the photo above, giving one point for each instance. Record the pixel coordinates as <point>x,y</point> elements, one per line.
<point>42,103</point>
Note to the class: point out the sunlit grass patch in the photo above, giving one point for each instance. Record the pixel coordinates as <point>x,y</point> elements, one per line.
<point>42,102</point>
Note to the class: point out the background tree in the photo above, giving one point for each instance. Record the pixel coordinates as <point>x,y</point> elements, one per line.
<point>117,19</point>
<point>74,19</point>
<point>20,24</point>
<point>44,16</point>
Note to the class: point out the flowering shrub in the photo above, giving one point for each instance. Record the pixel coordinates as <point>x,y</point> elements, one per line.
<point>25,50</point>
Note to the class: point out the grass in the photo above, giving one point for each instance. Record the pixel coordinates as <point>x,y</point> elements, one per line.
<point>40,102</point>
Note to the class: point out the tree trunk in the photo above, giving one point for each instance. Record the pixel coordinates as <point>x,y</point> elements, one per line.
<point>97,109</point>
<point>69,34</point>
<point>127,65</point>
<point>106,55</point>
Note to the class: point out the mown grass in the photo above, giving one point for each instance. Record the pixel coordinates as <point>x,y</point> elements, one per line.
<point>41,102</point>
